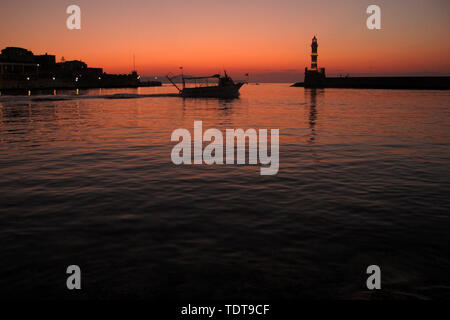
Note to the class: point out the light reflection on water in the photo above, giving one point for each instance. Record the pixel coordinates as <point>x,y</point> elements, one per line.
<point>364,178</point>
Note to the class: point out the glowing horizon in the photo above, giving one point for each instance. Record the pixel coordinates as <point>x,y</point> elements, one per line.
<point>260,37</point>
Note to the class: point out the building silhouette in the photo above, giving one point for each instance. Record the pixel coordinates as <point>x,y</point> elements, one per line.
<point>21,69</point>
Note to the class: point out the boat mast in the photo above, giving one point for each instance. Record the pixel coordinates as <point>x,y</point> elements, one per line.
<point>182,77</point>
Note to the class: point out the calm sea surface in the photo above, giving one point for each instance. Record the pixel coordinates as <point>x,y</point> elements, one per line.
<point>364,179</point>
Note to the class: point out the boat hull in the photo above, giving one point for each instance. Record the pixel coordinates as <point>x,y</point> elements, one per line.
<point>224,92</point>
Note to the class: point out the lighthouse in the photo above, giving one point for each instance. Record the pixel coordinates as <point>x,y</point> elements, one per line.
<point>314,77</point>
<point>314,54</point>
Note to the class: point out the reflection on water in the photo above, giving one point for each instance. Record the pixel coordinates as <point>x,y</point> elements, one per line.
<point>312,93</point>
<point>363,180</point>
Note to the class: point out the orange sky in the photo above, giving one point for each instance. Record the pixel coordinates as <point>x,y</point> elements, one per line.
<point>256,36</point>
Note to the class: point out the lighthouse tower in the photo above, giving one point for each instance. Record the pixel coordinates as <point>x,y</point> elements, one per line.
<point>314,54</point>
<point>314,77</point>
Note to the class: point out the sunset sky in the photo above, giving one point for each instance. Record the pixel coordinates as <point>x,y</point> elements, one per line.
<point>267,37</point>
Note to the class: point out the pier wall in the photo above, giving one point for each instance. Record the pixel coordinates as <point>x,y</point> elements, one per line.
<point>420,83</point>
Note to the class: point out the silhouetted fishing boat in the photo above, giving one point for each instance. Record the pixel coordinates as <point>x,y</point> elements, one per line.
<point>226,88</point>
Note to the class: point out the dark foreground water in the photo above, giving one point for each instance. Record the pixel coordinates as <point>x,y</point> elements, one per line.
<point>364,179</point>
